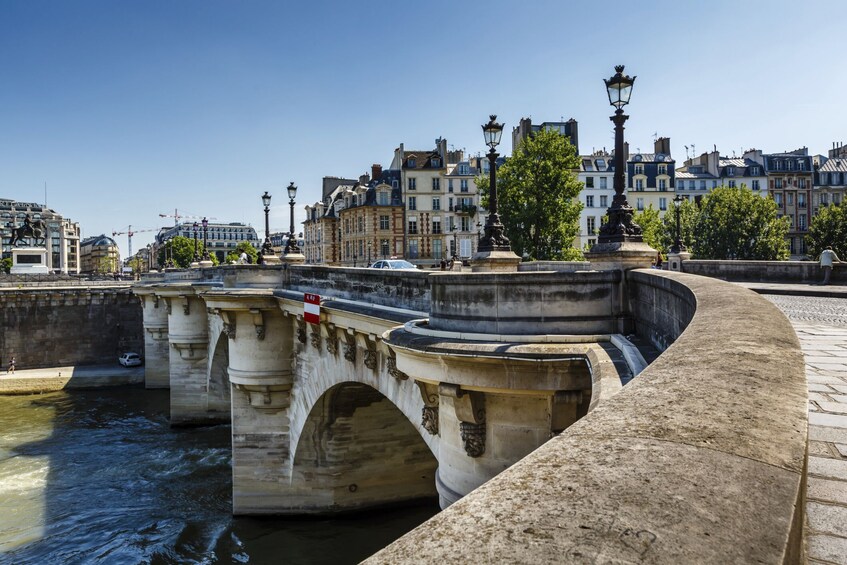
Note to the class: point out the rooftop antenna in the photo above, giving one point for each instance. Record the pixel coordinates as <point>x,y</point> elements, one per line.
<point>655,136</point>
<point>45,194</point>
<point>686,152</point>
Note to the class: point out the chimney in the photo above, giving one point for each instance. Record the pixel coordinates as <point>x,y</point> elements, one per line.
<point>663,145</point>
<point>376,171</point>
<point>364,179</point>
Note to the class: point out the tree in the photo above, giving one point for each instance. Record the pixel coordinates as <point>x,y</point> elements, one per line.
<point>734,223</point>
<point>245,246</point>
<point>181,249</point>
<point>537,191</point>
<point>652,228</point>
<point>6,265</point>
<point>688,213</point>
<point>829,228</point>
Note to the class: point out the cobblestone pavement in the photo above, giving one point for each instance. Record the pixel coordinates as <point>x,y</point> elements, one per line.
<point>821,326</point>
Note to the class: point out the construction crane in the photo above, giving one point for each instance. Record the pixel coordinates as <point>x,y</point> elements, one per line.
<point>176,216</point>
<point>129,233</point>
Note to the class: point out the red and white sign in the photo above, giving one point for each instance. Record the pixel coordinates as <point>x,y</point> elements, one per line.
<point>312,308</point>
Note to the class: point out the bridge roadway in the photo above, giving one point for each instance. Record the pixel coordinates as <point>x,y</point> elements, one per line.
<point>821,326</point>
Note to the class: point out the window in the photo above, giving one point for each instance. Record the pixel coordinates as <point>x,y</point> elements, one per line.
<point>604,201</point>
<point>436,226</point>
<point>802,183</point>
<point>663,184</point>
<point>836,199</point>
<point>730,171</point>
<point>714,184</point>
<point>790,199</point>
<point>361,224</point>
<point>639,204</point>
<point>801,200</point>
<point>639,184</point>
<point>754,171</point>
<point>754,184</point>
<point>777,183</point>
<point>663,169</point>
<point>383,247</point>
<point>413,226</point>
<point>691,185</point>
<point>802,165</point>
<point>702,185</point>
<point>449,185</point>
<point>411,162</point>
<point>801,222</point>
<point>589,182</point>
<point>639,169</point>
<point>383,198</point>
<point>412,183</point>
<point>778,199</point>
<point>590,225</point>
<point>436,184</point>
<point>413,203</point>
<point>436,249</point>
<point>589,201</point>
<point>436,162</point>
<point>824,199</point>
<point>413,249</point>
<point>730,184</point>
<point>663,203</point>
<point>603,182</point>
<point>383,223</point>
<point>463,185</point>
<point>436,203</point>
<point>592,242</point>
<point>465,223</point>
<point>450,204</point>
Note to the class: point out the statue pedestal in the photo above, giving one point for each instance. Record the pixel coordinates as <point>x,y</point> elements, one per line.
<point>29,261</point>
<point>495,261</point>
<point>622,255</point>
<point>293,258</point>
<point>271,259</point>
<point>675,260</point>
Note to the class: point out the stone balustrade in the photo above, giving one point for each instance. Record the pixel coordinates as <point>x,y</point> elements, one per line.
<point>699,459</point>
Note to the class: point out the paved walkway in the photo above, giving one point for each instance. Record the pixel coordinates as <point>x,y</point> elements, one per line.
<point>821,326</point>
<point>34,381</point>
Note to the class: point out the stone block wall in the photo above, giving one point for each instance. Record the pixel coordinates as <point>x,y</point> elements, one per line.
<point>52,327</point>
<point>765,271</point>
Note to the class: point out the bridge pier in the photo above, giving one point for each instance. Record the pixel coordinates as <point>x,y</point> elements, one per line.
<point>156,356</point>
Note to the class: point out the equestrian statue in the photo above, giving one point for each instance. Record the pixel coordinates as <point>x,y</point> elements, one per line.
<point>37,230</point>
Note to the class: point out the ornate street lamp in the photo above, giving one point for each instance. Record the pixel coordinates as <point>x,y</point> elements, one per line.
<point>267,248</point>
<point>619,226</point>
<point>455,231</point>
<point>196,255</point>
<point>493,238</point>
<point>205,224</point>
<point>369,252</point>
<point>678,245</point>
<point>291,246</point>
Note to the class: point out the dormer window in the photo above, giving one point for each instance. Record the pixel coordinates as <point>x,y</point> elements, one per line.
<point>663,169</point>
<point>730,171</point>
<point>436,162</point>
<point>639,169</point>
<point>411,162</point>
<point>802,165</point>
<point>464,169</point>
<point>660,157</point>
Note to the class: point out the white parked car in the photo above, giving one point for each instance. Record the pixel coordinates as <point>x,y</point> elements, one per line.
<point>395,264</point>
<point>130,359</point>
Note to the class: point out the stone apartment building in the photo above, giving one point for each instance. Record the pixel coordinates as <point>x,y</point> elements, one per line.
<point>596,172</point>
<point>99,254</point>
<point>525,128</point>
<point>700,175</point>
<point>790,180</point>
<point>830,180</point>
<point>221,238</point>
<point>63,238</point>
<point>651,177</point>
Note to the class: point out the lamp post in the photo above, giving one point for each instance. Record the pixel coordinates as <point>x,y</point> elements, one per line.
<point>267,248</point>
<point>196,255</point>
<point>369,252</point>
<point>493,238</point>
<point>455,231</point>
<point>619,226</point>
<point>205,223</point>
<point>678,245</point>
<point>291,246</point>
<point>354,259</point>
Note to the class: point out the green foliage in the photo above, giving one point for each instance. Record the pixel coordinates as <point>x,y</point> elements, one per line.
<point>829,227</point>
<point>735,223</point>
<point>6,265</point>
<point>181,249</point>
<point>688,213</point>
<point>652,227</point>
<point>252,253</point>
<point>537,191</point>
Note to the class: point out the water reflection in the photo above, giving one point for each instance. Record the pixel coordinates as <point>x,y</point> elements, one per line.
<point>99,477</point>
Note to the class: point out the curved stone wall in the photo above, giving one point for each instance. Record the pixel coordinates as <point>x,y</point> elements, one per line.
<point>699,459</point>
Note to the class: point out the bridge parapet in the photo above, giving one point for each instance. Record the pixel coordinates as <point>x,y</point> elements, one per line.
<point>700,459</point>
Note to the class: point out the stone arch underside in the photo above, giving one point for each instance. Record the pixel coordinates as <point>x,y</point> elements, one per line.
<point>357,450</point>
<point>219,396</point>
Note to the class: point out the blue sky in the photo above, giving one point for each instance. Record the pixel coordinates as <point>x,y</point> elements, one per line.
<point>131,109</point>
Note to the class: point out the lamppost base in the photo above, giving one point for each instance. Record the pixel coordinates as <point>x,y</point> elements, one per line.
<point>293,258</point>
<point>206,263</point>
<point>194,265</point>
<point>675,260</point>
<point>495,261</point>
<point>271,259</point>
<point>621,255</point>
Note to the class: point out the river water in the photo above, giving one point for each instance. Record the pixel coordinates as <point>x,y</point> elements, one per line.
<point>98,476</point>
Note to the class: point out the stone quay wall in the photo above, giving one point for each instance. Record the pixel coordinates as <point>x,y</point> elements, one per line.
<point>66,326</point>
<point>700,459</point>
<point>765,271</point>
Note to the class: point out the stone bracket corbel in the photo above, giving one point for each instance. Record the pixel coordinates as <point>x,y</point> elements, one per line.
<point>168,305</point>
<point>316,337</point>
<point>429,414</point>
<point>258,323</point>
<point>190,351</point>
<point>329,331</point>
<point>350,345</point>
<point>470,411</point>
<point>155,301</point>
<point>368,342</point>
<point>229,323</point>
<point>301,329</point>
<point>159,333</point>
<point>391,361</point>
<point>270,398</point>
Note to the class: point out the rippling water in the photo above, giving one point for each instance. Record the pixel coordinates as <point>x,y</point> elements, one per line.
<point>99,477</point>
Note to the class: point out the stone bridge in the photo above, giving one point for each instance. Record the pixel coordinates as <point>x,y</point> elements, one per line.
<point>422,384</point>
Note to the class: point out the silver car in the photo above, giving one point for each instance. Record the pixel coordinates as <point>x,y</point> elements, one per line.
<point>394,264</point>
<point>130,360</point>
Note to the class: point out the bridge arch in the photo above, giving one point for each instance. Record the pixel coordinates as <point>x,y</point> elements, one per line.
<point>217,385</point>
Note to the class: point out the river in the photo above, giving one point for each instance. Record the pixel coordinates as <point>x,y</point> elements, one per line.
<point>98,476</point>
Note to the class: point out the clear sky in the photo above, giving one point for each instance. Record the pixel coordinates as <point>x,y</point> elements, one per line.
<point>131,109</point>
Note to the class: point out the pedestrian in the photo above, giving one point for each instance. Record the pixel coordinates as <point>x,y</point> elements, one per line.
<point>658,259</point>
<point>243,260</point>
<point>10,370</point>
<point>828,257</point>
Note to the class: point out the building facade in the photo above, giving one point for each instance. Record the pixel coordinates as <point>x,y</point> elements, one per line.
<point>99,254</point>
<point>596,172</point>
<point>830,182</point>
<point>63,239</point>
<point>700,175</point>
<point>651,178</point>
<point>790,179</point>
<point>526,128</point>
<point>221,238</point>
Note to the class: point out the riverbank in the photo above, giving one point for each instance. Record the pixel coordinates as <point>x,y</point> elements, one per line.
<point>52,379</point>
